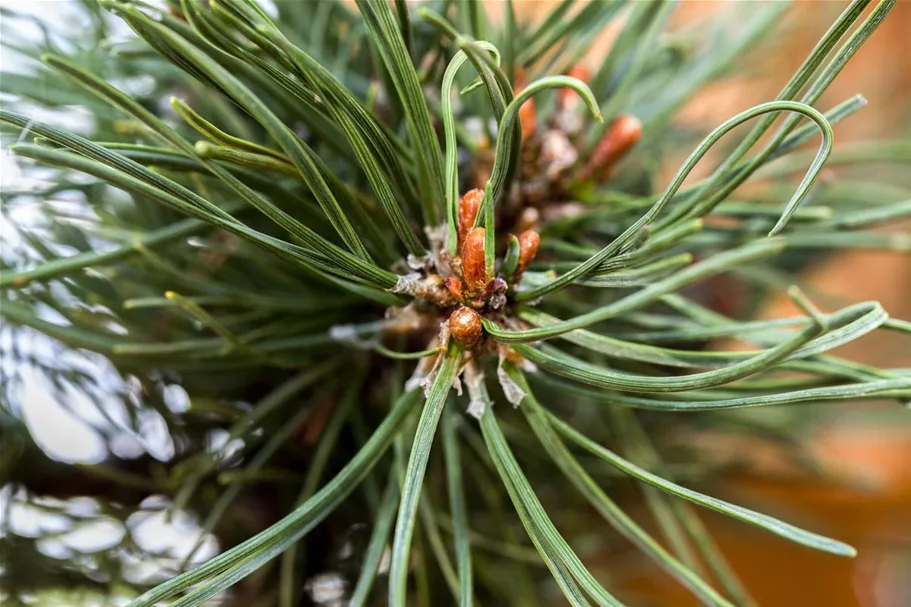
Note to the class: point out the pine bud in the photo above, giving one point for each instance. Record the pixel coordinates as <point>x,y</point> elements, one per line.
<point>465,326</point>
<point>622,134</point>
<point>454,285</point>
<point>474,269</point>
<point>528,119</point>
<point>580,71</point>
<point>468,211</point>
<point>528,114</point>
<point>529,241</point>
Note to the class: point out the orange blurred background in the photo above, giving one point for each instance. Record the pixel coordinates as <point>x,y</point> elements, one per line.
<point>876,516</point>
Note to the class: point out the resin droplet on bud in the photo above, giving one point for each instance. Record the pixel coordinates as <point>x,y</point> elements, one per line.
<point>465,326</point>
<point>474,270</point>
<point>468,211</point>
<point>529,241</point>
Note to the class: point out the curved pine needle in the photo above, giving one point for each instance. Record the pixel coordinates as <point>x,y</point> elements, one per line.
<point>846,325</point>
<point>502,163</point>
<point>899,388</point>
<point>709,267</point>
<point>451,156</point>
<point>632,231</point>
<point>555,361</point>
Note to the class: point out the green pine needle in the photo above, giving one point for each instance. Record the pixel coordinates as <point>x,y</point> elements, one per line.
<point>269,212</point>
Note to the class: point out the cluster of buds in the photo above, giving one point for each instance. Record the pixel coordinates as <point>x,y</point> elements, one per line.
<point>554,149</point>
<point>472,284</point>
<point>552,153</point>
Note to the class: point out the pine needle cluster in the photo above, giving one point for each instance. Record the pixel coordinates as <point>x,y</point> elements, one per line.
<point>418,263</point>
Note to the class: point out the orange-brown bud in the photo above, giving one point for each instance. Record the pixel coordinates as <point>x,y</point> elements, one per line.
<point>529,241</point>
<point>528,119</point>
<point>528,115</point>
<point>520,80</point>
<point>468,211</point>
<point>454,285</point>
<point>465,326</point>
<point>622,134</point>
<point>580,71</point>
<point>474,269</point>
